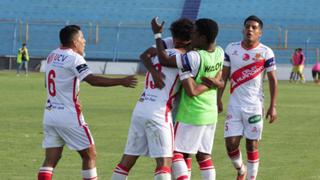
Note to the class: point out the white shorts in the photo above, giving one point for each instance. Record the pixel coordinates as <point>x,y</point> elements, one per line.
<point>150,137</point>
<point>77,138</point>
<point>244,121</point>
<point>191,139</point>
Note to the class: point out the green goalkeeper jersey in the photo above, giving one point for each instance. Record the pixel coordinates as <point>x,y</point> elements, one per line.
<point>202,109</point>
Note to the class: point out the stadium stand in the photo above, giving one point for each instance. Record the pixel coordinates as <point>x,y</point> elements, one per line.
<point>119,29</point>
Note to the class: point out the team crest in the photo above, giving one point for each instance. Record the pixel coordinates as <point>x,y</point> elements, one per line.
<point>258,57</point>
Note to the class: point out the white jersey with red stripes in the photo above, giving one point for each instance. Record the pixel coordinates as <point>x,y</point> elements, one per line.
<point>246,69</point>
<point>157,103</point>
<point>64,71</point>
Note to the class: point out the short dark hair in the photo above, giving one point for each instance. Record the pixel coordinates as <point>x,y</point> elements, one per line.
<point>182,29</point>
<point>208,28</point>
<point>67,33</point>
<point>253,18</point>
<point>24,44</point>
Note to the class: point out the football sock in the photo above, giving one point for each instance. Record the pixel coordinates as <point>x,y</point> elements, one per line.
<point>90,174</point>
<point>236,159</point>
<point>189,164</point>
<point>45,173</point>
<point>207,169</point>
<point>120,173</point>
<point>162,173</point>
<point>179,167</point>
<point>253,164</point>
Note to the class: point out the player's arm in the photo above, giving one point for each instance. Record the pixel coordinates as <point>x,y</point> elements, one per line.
<point>164,59</point>
<point>146,60</point>
<point>215,82</point>
<point>273,88</point>
<point>192,88</point>
<point>128,81</point>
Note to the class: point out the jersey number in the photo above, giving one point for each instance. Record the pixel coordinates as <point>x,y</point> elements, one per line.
<point>151,82</point>
<point>51,83</point>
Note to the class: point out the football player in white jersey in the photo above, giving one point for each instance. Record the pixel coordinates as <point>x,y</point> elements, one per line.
<point>63,119</point>
<point>151,130</point>
<point>244,64</point>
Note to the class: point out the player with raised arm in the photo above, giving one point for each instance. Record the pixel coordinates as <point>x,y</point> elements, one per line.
<point>197,113</point>
<point>63,120</point>
<point>244,64</point>
<point>151,130</point>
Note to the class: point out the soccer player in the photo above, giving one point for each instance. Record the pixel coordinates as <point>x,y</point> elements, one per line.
<point>151,130</point>
<point>244,64</point>
<point>197,114</point>
<point>63,119</point>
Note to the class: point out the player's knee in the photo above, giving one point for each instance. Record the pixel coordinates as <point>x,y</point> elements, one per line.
<point>164,162</point>
<point>202,156</point>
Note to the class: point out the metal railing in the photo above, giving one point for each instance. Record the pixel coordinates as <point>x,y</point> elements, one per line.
<point>127,40</point>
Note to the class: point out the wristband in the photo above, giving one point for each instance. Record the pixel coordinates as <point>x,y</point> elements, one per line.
<point>157,35</point>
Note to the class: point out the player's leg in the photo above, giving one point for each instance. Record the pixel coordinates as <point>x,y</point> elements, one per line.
<point>121,171</point>
<point>206,166</point>
<point>136,146</point>
<point>160,144</point>
<point>252,132</point>
<point>88,156</point>
<point>163,169</point>
<point>26,67</point>
<point>203,155</point>
<point>253,158</point>
<point>186,143</point>
<point>53,145</point>
<point>233,133</point>
<point>51,160</point>
<point>235,155</point>
<point>188,160</point>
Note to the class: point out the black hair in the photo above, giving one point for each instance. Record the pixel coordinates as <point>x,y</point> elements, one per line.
<point>182,29</point>
<point>254,18</point>
<point>207,27</point>
<point>24,44</point>
<point>67,33</point>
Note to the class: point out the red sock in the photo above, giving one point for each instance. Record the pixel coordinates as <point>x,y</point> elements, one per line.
<point>45,173</point>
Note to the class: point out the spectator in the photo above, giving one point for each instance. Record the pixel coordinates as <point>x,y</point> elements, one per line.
<point>316,73</point>
<point>298,60</point>
<point>22,59</point>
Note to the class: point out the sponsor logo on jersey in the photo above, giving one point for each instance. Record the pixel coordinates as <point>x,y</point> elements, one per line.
<point>82,67</point>
<point>213,67</point>
<point>245,57</point>
<point>56,58</point>
<point>254,119</point>
<point>245,74</point>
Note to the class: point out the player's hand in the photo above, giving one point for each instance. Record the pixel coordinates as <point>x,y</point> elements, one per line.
<point>209,82</point>
<point>158,78</point>
<point>271,114</point>
<point>156,26</point>
<point>220,105</point>
<point>129,81</point>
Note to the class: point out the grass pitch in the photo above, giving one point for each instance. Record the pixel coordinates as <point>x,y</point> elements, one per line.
<point>289,149</point>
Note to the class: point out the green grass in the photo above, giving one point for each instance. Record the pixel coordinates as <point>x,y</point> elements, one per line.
<point>289,149</point>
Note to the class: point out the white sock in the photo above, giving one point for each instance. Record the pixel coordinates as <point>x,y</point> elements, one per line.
<point>179,167</point>
<point>90,174</point>
<point>253,164</point>
<point>120,173</point>
<point>207,169</point>
<point>162,173</point>
<point>236,158</point>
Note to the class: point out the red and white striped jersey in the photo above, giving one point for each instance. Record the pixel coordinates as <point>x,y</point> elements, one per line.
<point>157,103</point>
<point>64,71</point>
<point>246,69</point>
